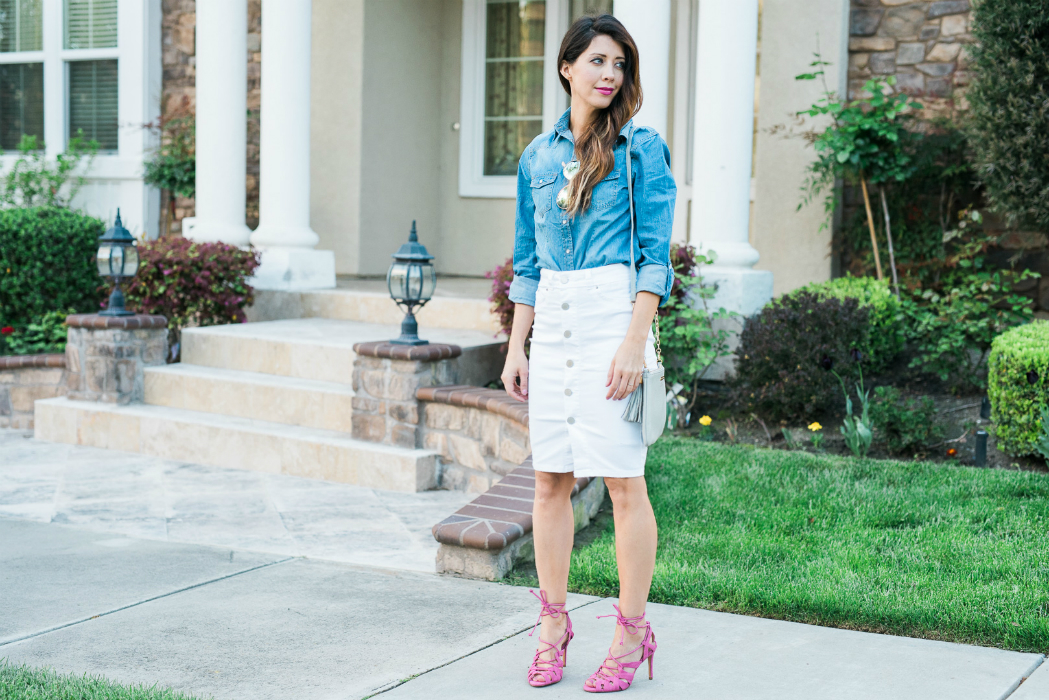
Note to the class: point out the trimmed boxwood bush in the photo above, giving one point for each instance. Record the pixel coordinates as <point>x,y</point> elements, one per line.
<point>47,263</point>
<point>1018,386</point>
<point>786,351</point>
<point>887,332</point>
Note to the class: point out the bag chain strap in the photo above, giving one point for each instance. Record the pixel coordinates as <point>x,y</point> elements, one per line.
<point>633,270</point>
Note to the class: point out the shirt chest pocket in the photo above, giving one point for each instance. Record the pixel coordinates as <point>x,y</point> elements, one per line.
<point>606,191</point>
<point>543,194</point>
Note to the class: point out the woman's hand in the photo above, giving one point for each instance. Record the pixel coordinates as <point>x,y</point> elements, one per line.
<point>624,375</point>
<point>515,370</point>
<point>515,373</point>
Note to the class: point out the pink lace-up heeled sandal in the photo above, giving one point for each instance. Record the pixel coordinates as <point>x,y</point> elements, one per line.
<point>549,671</point>
<point>613,674</point>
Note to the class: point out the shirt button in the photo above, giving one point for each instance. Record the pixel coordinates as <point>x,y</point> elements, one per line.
<point>571,420</point>
<point>565,306</point>
<point>568,250</point>
<point>568,334</point>
<point>568,392</point>
<point>569,363</point>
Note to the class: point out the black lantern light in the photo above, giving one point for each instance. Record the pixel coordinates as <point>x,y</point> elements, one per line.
<point>117,259</point>
<point>411,280</point>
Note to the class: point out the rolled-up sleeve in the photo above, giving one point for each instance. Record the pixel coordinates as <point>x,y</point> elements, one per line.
<point>526,268</point>
<point>655,194</point>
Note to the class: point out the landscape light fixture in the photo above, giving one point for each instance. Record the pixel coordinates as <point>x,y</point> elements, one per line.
<point>411,280</point>
<point>117,259</point>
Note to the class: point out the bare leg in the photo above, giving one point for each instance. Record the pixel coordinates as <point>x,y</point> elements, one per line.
<point>553,531</point>
<point>635,555</point>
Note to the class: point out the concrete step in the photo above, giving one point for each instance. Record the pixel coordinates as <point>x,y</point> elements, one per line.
<point>321,349</point>
<point>265,397</point>
<point>457,304</point>
<point>233,442</point>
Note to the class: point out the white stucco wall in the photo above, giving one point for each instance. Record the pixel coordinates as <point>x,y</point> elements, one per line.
<point>790,242</point>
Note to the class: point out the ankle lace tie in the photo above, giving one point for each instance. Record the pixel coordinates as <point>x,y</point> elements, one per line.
<point>631,624</point>
<point>554,610</point>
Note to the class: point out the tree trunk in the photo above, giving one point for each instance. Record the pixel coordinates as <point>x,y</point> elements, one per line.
<point>888,235</point>
<point>870,223</point>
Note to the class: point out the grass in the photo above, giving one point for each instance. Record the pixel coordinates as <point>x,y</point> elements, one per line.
<point>906,548</point>
<point>25,683</point>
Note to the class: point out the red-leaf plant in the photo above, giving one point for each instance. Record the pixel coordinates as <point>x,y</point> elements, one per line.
<point>192,284</point>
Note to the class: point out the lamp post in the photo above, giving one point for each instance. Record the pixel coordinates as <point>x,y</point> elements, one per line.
<point>117,259</point>
<point>411,280</point>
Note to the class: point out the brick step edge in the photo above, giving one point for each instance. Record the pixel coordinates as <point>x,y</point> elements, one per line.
<point>486,537</point>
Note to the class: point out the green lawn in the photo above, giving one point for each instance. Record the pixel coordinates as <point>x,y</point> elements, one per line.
<point>907,548</point>
<point>24,683</point>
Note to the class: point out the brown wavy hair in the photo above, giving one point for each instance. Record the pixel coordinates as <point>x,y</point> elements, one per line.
<point>594,148</point>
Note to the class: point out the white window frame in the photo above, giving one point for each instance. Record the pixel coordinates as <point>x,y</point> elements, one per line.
<point>472,180</point>
<point>131,54</point>
<point>115,178</point>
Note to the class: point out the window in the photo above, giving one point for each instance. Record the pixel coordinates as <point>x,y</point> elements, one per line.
<point>509,95</point>
<point>513,98</point>
<point>79,67</point>
<point>93,102</point>
<point>21,72</point>
<point>90,24</point>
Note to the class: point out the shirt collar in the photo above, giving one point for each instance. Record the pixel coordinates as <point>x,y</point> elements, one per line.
<point>564,130</point>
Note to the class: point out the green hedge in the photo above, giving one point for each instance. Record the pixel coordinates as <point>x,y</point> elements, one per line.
<point>886,330</point>
<point>1018,386</point>
<point>47,263</point>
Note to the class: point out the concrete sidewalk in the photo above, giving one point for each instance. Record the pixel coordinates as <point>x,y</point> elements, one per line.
<point>240,585</point>
<point>231,624</point>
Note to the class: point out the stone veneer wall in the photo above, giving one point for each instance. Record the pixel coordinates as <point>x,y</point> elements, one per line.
<point>923,44</point>
<point>106,355</point>
<point>23,380</point>
<point>179,94</point>
<point>479,444</point>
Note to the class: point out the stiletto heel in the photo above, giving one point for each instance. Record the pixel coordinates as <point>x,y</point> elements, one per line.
<point>618,675</point>
<point>552,670</point>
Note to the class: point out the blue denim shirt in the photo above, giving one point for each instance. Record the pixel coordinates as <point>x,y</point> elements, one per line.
<point>547,238</point>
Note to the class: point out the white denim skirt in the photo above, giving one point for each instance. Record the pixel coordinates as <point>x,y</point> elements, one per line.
<point>581,319</point>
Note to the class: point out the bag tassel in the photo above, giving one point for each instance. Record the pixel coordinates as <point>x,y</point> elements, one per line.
<point>632,413</point>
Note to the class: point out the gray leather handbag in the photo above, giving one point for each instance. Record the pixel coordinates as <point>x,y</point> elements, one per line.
<point>647,404</point>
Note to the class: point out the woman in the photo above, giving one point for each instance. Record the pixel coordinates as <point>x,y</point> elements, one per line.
<point>589,344</point>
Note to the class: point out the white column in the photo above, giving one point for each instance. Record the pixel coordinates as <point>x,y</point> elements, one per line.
<point>726,62</point>
<point>284,234</point>
<point>222,131</point>
<point>648,21</point>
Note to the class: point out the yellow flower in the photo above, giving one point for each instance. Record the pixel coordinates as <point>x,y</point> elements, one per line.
<point>814,427</point>
<point>705,420</point>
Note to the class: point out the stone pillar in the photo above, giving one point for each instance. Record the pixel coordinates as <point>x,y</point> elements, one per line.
<point>726,62</point>
<point>385,377</point>
<point>289,261</point>
<point>648,21</point>
<point>222,131</point>
<point>106,355</point>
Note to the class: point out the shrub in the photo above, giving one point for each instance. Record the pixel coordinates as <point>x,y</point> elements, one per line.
<point>689,342</point>
<point>192,284</point>
<point>35,180</point>
<point>1018,386</point>
<point>47,262</point>
<point>905,425</point>
<point>1009,122</point>
<point>502,276</point>
<point>786,351</point>
<point>48,335</point>
<point>951,330</point>
<point>887,332</point>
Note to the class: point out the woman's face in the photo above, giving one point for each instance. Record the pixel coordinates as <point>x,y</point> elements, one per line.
<point>597,75</point>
